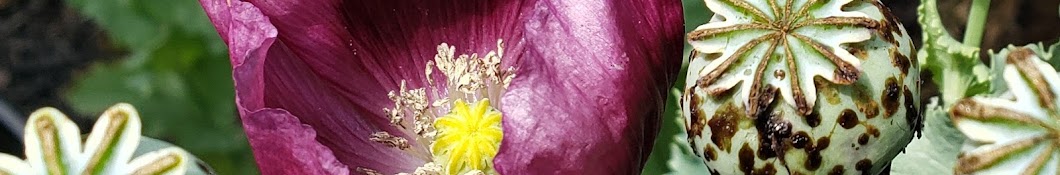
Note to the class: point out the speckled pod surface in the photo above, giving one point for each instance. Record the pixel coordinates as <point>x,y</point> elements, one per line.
<point>800,87</point>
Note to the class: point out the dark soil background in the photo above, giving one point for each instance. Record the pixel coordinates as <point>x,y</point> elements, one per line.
<point>44,45</point>
<point>1015,22</point>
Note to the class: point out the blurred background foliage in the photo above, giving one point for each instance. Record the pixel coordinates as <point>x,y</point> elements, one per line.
<point>164,57</point>
<point>175,70</point>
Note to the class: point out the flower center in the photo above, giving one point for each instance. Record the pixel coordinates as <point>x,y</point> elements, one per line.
<point>468,138</point>
<point>450,135</point>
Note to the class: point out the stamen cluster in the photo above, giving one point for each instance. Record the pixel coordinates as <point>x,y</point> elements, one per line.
<point>468,78</point>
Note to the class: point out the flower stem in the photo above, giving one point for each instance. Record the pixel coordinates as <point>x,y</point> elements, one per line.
<point>955,86</point>
<point>973,34</point>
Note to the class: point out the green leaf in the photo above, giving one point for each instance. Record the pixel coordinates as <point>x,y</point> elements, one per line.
<point>935,152</point>
<point>110,84</point>
<point>682,162</point>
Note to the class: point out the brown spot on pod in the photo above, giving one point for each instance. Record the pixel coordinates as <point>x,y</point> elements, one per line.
<point>899,60</point>
<point>888,26</point>
<point>889,98</point>
<point>864,166</point>
<point>912,115</point>
<point>723,125</point>
<point>863,139</point>
<point>914,61</point>
<point>767,170</point>
<point>863,99</point>
<point>709,154</point>
<point>871,130</point>
<point>858,50</point>
<point>871,109</point>
<point>822,143</point>
<point>772,132</point>
<point>800,140</point>
<point>813,119</point>
<point>761,99</point>
<point>747,159</point>
<point>697,118</point>
<point>825,88</point>
<point>848,119</point>
<point>779,74</point>
<point>837,170</point>
<point>813,161</point>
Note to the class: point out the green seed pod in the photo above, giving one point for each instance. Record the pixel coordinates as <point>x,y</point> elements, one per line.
<point>800,87</point>
<point>1016,131</point>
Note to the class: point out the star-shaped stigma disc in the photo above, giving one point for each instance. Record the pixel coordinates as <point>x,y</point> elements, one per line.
<point>1018,132</point>
<point>773,46</point>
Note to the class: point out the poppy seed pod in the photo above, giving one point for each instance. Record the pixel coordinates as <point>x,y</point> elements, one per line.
<point>800,87</point>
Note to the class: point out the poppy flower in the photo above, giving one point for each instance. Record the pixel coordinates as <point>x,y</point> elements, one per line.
<point>450,87</point>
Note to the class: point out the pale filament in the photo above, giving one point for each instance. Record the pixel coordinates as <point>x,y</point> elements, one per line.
<point>467,77</point>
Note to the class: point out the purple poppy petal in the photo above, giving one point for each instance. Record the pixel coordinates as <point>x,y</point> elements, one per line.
<point>289,146</point>
<point>366,48</point>
<point>248,34</point>
<point>331,63</point>
<point>292,86</point>
<point>591,87</point>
